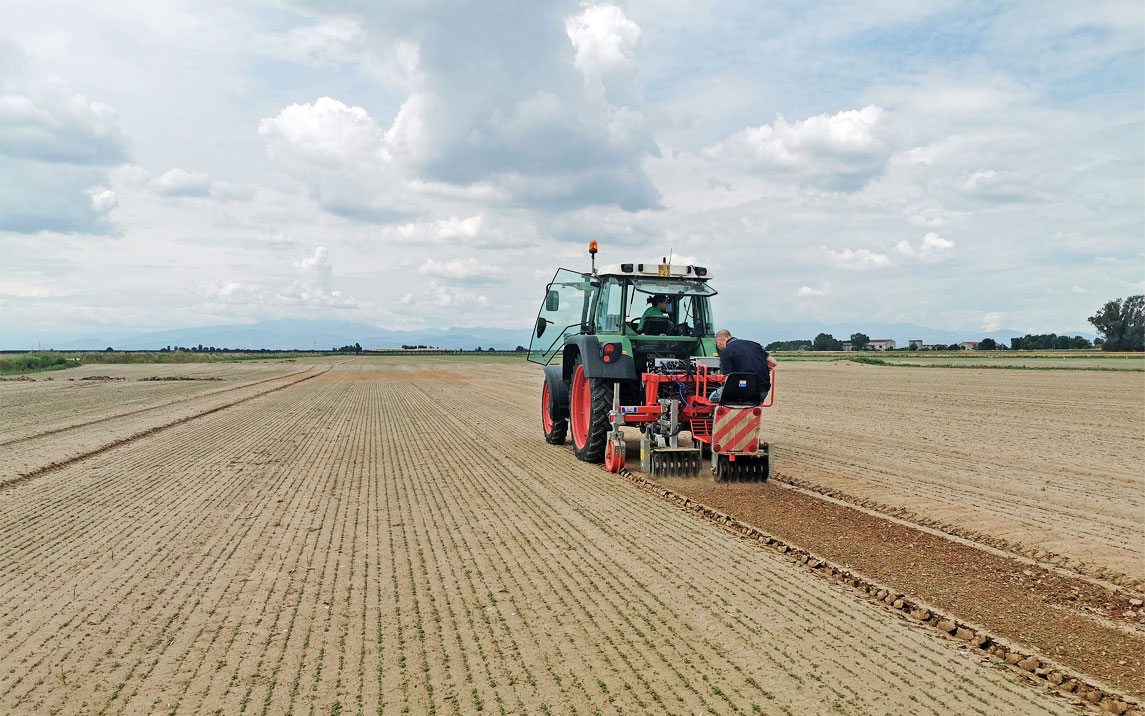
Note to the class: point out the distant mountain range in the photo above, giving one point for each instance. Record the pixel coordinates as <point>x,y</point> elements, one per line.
<point>305,334</point>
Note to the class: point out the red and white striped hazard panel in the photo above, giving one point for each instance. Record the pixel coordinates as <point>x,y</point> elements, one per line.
<point>736,430</point>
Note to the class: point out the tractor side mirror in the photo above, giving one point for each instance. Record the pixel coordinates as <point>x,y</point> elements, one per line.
<point>541,325</point>
<point>552,301</point>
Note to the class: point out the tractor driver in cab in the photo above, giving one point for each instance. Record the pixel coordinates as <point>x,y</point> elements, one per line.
<point>738,355</point>
<point>657,308</point>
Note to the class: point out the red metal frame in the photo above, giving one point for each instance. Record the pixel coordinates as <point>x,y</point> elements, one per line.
<point>698,412</point>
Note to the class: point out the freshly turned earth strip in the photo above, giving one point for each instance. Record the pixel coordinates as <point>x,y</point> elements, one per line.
<point>1071,620</point>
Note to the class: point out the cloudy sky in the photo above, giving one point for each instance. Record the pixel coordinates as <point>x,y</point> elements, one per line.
<point>961,165</point>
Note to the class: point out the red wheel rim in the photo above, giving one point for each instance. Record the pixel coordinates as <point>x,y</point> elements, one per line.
<point>610,457</point>
<point>581,407</point>
<point>546,415</point>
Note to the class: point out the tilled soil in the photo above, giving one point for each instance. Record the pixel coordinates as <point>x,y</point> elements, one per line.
<point>1075,622</point>
<point>349,545</point>
<point>48,423</point>
<point>1043,463</point>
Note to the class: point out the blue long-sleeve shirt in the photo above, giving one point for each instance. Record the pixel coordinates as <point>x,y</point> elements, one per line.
<point>744,356</point>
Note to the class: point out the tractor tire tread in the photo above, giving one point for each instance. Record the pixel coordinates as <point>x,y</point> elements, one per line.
<point>560,431</point>
<point>598,422</point>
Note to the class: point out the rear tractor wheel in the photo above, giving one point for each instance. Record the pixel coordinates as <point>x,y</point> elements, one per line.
<point>589,404</point>
<point>555,429</point>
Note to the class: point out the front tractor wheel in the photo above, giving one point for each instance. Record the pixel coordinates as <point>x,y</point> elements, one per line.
<point>591,400</point>
<point>555,430</point>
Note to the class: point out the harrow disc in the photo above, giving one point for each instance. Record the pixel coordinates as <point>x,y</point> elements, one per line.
<point>675,463</point>
<point>745,468</point>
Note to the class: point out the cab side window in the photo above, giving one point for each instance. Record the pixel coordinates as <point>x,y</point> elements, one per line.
<point>610,310</point>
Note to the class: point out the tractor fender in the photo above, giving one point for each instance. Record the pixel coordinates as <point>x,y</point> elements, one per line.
<point>559,390</point>
<point>588,349</point>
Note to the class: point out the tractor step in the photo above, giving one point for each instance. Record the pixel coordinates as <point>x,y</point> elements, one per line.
<point>674,462</point>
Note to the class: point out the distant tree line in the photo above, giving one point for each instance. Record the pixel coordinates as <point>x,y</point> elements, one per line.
<point>211,349</point>
<point>1121,323</point>
<point>356,348</point>
<point>1048,341</point>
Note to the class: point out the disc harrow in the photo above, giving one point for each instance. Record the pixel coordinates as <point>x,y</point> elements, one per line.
<point>743,469</point>
<point>675,463</point>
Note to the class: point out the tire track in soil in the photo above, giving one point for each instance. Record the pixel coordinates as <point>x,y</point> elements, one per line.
<point>494,573</point>
<point>160,406</point>
<point>139,545</point>
<point>53,466</point>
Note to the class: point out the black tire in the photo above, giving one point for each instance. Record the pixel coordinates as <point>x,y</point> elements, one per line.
<point>560,428</point>
<point>598,423</point>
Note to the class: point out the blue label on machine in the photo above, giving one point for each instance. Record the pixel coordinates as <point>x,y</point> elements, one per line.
<point>743,384</point>
<point>628,410</point>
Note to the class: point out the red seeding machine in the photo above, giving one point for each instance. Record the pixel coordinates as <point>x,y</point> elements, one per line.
<point>634,345</point>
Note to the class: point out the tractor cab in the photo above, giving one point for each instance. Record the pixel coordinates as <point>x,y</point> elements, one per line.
<point>615,305</point>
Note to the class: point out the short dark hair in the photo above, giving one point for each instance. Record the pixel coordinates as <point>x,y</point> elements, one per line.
<point>657,298</point>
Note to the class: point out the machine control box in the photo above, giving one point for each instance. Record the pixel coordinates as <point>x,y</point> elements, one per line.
<point>682,365</point>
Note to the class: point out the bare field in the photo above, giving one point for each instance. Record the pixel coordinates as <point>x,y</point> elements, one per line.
<point>67,413</point>
<point>371,538</point>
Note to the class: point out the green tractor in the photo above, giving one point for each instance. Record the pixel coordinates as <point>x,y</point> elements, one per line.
<point>634,344</point>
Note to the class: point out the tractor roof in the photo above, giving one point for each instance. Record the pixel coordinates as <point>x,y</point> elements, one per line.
<point>656,270</point>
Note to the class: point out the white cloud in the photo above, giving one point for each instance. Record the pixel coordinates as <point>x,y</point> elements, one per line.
<point>233,293</point>
<point>859,259</point>
<point>459,298</point>
<point>1078,289</point>
<point>225,191</point>
<point>992,321</point>
<point>538,133</point>
<point>468,270</point>
<point>843,150</point>
<point>996,185</point>
<point>823,290</point>
<point>59,126</point>
<point>56,150</point>
<point>326,132</point>
<point>179,182</point>
<point>103,199</point>
<point>407,299</point>
<point>603,36</point>
<point>315,284</point>
<point>932,249</point>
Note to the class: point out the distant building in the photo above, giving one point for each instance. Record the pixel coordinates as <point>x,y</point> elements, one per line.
<point>917,344</point>
<point>846,346</point>
<point>881,344</point>
<point>968,345</point>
